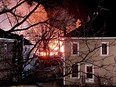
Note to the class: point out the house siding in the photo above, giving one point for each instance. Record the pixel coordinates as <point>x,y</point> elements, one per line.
<point>89,53</point>
<point>9,56</point>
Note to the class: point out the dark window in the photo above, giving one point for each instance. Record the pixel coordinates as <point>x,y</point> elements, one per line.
<point>75,71</point>
<point>104,48</point>
<point>89,72</point>
<point>75,51</point>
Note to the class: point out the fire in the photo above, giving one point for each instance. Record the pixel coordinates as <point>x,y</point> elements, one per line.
<point>62,49</point>
<point>56,48</point>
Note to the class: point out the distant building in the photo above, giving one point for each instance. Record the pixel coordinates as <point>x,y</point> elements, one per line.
<point>8,55</point>
<point>28,55</point>
<point>11,55</point>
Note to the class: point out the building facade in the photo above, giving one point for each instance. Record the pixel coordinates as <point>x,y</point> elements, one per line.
<point>90,61</point>
<point>9,56</point>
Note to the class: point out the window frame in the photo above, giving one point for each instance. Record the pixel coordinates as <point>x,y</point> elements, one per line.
<point>89,80</point>
<point>101,49</point>
<point>77,48</point>
<point>78,72</point>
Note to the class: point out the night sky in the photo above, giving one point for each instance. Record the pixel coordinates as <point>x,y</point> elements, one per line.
<point>82,8</point>
<point>104,9</point>
<point>79,8</point>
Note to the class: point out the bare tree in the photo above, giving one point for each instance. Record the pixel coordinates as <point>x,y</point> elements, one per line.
<point>22,18</point>
<point>40,32</point>
<point>83,54</point>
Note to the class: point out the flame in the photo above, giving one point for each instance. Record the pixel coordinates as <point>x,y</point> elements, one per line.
<point>62,49</point>
<point>56,48</point>
<point>78,23</point>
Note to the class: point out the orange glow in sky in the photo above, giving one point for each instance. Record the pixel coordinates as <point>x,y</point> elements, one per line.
<point>39,15</point>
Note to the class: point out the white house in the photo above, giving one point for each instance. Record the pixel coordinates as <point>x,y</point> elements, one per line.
<point>90,61</point>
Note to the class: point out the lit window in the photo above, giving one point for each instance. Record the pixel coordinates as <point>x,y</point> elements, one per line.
<point>75,71</point>
<point>89,69</point>
<point>75,48</point>
<point>104,49</point>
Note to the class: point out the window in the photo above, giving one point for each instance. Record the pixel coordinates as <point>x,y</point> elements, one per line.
<point>104,49</point>
<point>5,48</point>
<point>75,72</point>
<point>89,70</point>
<point>75,48</point>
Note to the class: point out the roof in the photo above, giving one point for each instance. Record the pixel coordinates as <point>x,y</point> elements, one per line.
<point>93,38</point>
<point>86,31</point>
<point>7,40</point>
<point>4,34</point>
